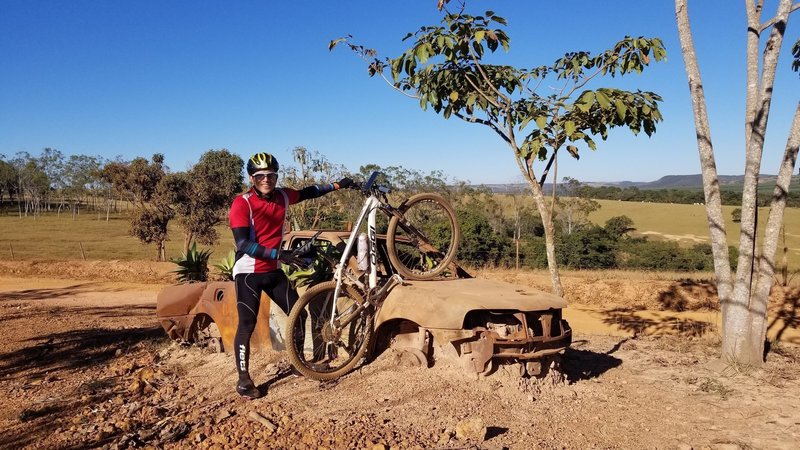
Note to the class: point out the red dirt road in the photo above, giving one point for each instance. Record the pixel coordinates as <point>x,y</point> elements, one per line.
<point>84,364</point>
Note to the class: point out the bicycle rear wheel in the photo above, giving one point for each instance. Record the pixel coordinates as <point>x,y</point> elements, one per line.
<point>423,243</point>
<point>328,341</point>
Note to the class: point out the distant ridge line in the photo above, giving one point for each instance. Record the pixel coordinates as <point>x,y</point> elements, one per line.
<point>665,182</point>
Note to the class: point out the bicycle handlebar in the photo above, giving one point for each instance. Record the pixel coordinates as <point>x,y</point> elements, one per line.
<point>371,186</point>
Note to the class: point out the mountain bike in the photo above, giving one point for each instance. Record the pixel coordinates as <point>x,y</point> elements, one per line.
<point>422,237</point>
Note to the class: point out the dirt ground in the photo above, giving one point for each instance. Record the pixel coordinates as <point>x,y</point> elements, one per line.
<point>84,364</point>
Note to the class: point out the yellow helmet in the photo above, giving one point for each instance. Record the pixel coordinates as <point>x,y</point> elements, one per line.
<point>262,161</point>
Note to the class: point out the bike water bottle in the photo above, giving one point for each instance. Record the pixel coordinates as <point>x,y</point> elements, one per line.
<point>363,252</point>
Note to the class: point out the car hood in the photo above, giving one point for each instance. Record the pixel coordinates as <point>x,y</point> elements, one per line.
<point>444,304</point>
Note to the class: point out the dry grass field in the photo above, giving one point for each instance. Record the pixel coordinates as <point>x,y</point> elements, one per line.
<point>61,237</point>
<point>685,224</point>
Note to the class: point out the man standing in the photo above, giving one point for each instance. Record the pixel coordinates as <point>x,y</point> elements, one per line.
<point>256,219</point>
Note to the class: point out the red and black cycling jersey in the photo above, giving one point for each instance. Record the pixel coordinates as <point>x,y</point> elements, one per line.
<point>264,217</point>
<point>257,224</point>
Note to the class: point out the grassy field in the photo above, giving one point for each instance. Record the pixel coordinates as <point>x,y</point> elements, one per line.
<point>54,237</point>
<point>686,224</point>
<point>60,237</point>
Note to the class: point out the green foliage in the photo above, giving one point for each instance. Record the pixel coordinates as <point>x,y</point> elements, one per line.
<point>796,55</point>
<point>225,266</point>
<point>444,68</point>
<point>329,211</point>
<point>154,193</point>
<point>588,248</point>
<point>192,265</point>
<point>663,255</point>
<point>619,226</point>
<point>8,179</point>
<point>481,243</point>
<point>201,197</point>
<point>736,215</point>
<point>320,269</point>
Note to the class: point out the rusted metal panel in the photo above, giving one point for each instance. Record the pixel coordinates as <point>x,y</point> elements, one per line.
<point>444,304</point>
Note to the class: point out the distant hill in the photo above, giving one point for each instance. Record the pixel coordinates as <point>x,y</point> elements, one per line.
<point>685,182</point>
<point>733,182</point>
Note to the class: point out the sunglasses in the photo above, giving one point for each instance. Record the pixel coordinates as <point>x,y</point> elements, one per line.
<point>270,176</point>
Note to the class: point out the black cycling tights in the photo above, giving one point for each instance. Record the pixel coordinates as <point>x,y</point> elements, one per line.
<point>248,297</point>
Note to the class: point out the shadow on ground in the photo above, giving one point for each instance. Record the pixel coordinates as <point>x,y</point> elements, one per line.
<point>72,350</point>
<point>99,312</point>
<point>53,293</point>
<point>579,365</point>
<point>784,316</point>
<point>627,319</point>
<point>690,295</point>
<point>37,369</point>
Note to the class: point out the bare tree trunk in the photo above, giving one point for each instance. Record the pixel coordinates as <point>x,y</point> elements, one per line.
<point>743,345</point>
<point>744,308</point>
<point>760,298</point>
<point>549,233</point>
<point>187,241</point>
<point>705,147</point>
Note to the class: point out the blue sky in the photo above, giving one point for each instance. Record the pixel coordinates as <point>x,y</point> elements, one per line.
<point>133,78</point>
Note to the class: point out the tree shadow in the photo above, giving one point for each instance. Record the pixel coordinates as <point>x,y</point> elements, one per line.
<point>579,365</point>
<point>53,293</point>
<point>627,319</point>
<point>72,350</point>
<point>785,317</point>
<point>690,295</point>
<point>39,364</point>
<point>101,312</point>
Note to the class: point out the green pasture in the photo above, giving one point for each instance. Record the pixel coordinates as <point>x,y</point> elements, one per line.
<point>685,224</point>
<point>688,224</point>
<point>59,237</point>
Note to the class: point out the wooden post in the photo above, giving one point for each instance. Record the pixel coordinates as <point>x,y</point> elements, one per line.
<point>11,247</point>
<point>83,255</point>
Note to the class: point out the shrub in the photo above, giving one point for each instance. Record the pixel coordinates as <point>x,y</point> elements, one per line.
<point>192,266</point>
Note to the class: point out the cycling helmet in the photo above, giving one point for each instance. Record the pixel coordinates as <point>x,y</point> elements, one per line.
<point>261,161</point>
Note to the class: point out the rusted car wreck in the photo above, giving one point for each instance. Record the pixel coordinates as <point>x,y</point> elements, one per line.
<point>480,323</point>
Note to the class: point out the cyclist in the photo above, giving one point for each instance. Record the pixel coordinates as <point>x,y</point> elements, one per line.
<point>256,219</point>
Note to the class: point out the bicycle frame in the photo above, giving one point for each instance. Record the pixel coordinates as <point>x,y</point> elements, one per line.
<point>369,212</point>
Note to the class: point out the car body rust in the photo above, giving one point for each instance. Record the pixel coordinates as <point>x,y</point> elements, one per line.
<point>478,322</point>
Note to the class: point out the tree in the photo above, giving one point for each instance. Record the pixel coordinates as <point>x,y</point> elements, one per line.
<point>444,69</point>
<point>736,215</point>
<point>203,195</point>
<point>33,184</point>
<point>619,226</point>
<point>743,303</point>
<point>481,243</point>
<point>574,209</point>
<point>153,194</point>
<point>8,180</point>
<point>314,168</point>
<point>78,176</point>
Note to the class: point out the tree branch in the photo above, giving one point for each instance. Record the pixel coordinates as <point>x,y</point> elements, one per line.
<point>775,19</point>
<point>485,75</point>
<point>491,100</point>
<point>488,123</point>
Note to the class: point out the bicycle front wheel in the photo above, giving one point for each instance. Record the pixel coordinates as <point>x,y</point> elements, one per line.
<point>329,339</point>
<point>424,240</point>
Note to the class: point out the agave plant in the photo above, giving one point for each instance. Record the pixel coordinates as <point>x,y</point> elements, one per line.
<point>225,266</point>
<point>192,265</point>
<point>319,270</point>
